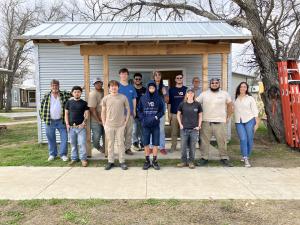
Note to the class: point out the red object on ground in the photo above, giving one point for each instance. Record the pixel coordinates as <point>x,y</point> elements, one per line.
<point>289,83</point>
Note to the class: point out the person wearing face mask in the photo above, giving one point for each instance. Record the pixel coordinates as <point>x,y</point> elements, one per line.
<point>150,110</point>
<point>217,110</point>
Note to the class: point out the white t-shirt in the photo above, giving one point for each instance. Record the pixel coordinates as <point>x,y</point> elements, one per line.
<point>214,105</point>
<point>55,108</point>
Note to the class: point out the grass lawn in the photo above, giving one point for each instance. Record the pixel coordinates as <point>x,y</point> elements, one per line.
<point>15,110</point>
<point>19,147</point>
<point>151,211</point>
<point>5,120</point>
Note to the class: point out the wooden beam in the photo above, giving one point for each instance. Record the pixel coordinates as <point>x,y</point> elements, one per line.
<point>204,72</point>
<point>86,60</point>
<point>224,71</point>
<point>105,85</point>
<point>161,49</point>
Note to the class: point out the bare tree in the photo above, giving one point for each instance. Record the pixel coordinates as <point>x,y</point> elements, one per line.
<point>274,26</point>
<point>16,18</point>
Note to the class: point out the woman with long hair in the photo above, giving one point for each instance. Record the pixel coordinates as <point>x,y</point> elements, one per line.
<point>189,116</point>
<point>163,93</point>
<point>246,120</point>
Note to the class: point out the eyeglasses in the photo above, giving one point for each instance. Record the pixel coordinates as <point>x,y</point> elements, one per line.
<point>137,78</point>
<point>179,78</point>
<point>214,83</point>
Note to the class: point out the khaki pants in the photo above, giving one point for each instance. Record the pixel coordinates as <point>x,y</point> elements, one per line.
<point>174,131</point>
<point>219,131</point>
<point>113,134</point>
<point>128,133</point>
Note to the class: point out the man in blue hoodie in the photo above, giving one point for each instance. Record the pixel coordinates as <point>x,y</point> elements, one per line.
<point>150,110</point>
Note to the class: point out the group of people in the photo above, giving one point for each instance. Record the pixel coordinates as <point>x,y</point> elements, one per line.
<point>134,116</point>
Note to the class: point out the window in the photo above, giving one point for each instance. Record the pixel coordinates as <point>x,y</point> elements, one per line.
<point>15,96</point>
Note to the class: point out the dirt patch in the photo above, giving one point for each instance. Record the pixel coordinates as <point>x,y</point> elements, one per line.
<point>151,211</point>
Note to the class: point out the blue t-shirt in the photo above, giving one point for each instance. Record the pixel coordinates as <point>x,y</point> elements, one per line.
<point>176,96</point>
<point>130,93</point>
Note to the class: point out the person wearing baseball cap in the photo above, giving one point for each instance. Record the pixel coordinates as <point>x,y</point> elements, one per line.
<point>217,110</point>
<point>189,116</point>
<point>94,101</point>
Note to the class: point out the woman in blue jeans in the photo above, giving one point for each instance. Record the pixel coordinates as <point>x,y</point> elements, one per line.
<point>246,120</point>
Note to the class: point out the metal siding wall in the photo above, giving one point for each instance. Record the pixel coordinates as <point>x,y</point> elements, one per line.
<point>56,61</point>
<point>64,63</point>
<point>192,65</point>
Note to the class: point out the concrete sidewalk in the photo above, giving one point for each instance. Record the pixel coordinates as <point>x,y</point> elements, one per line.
<point>168,183</point>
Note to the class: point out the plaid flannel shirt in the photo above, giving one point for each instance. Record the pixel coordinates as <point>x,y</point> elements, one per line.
<point>45,106</point>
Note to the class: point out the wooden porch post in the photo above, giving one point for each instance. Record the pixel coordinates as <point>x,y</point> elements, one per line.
<point>105,85</point>
<point>86,60</point>
<point>205,72</point>
<point>224,71</point>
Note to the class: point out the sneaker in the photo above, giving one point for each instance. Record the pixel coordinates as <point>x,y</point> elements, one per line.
<point>147,165</point>
<point>123,166</point>
<point>136,146</point>
<point>247,163</point>
<point>191,165</point>
<point>109,166</point>
<point>155,165</point>
<point>101,149</point>
<point>242,159</point>
<point>180,165</point>
<point>202,162</point>
<point>225,162</point>
<point>51,158</point>
<point>84,163</point>
<point>64,158</point>
<point>72,163</point>
<point>128,152</point>
<point>163,151</point>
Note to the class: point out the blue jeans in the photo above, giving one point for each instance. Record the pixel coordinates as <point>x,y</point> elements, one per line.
<point>97,133</point>
<point>189,138</point>
<point>78,140</point>
<point>137,131</point>
<point>151,133</point>
<point>246,134</point>
<point>51,136</point>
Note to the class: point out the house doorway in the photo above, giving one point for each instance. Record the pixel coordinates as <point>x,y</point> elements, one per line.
<point>169,77</point>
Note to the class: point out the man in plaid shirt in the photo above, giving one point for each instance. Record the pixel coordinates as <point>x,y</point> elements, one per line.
<point>52,113</point>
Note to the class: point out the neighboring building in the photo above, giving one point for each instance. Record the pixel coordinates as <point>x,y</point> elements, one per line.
<point>23,96</point>
<point>251,79</point>
<point>76,52</point>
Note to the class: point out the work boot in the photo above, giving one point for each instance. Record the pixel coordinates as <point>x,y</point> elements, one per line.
<point>225,162</point>
<point>109,166</point>
<point>182,164</point>
<point>123,166</point>
<point>191,165</point>
<point>202,162</point>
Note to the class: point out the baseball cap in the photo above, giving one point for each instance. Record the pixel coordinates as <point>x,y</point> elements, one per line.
<point>97,79</point>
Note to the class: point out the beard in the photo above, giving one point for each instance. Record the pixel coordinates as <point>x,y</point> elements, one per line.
<point>215,89</point>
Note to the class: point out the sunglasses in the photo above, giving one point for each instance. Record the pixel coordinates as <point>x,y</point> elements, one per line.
<point>138,79</point>
<point>214,83</point>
